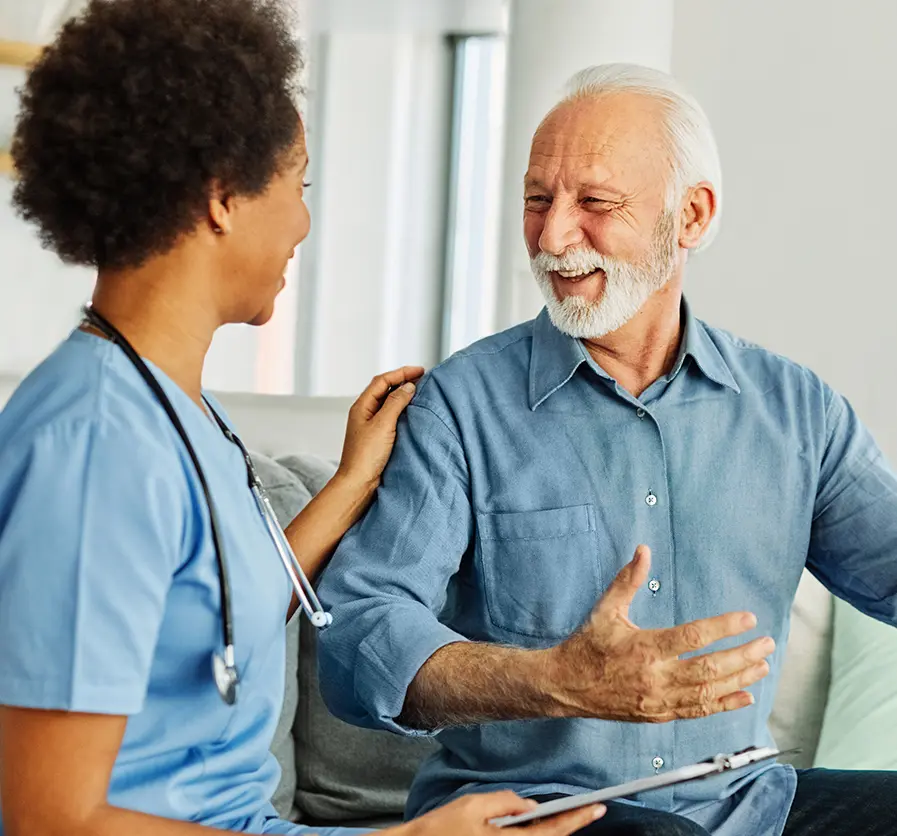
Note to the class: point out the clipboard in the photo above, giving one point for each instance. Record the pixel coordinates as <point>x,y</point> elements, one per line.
<point>714,766</point>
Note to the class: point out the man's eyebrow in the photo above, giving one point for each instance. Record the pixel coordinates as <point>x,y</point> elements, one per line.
<point>601,187</point>
<point>536,183</point>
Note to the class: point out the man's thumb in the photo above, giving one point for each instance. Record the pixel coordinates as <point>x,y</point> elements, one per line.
<point>631,578</point>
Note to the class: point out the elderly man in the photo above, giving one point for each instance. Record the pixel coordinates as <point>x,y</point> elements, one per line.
<point>532,464</point>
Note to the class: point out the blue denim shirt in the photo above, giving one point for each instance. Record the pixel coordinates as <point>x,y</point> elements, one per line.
<point>522,481</point>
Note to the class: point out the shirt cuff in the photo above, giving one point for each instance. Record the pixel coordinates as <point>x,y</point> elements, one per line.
<point>407,640</point>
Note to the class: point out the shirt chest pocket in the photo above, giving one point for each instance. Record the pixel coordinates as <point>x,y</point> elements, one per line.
<point>540,569</point>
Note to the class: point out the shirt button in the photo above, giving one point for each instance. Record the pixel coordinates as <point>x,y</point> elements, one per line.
<point>657,763</point>
<point>654,585</point>
<point>640,412</point>
<point>651,500</point>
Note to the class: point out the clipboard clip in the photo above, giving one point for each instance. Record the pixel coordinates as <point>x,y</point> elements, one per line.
<point>745,757</point>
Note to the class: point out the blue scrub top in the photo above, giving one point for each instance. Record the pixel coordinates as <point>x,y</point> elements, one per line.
<point>109,596</point>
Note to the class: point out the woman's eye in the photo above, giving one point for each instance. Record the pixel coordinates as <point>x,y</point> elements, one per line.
<point>306,185</point>
<point>538,198</point>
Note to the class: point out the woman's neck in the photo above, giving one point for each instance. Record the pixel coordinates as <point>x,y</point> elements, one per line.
<point>169,320</point>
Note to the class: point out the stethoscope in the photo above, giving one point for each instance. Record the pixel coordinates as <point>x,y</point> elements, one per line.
<point>224,666</point>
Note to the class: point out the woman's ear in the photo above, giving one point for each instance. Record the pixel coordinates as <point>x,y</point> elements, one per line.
<point>221,205</point>
<point>698,210</point>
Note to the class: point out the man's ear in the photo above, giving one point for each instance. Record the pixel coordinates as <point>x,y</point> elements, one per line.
<point>698,210</point>
<point>221,206</point>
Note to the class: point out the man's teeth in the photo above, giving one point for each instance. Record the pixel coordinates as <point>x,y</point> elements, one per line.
<point>573,274</point>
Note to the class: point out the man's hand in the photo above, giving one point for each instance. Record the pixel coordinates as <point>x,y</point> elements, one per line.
<point>471,815</point>
<point>612,670</point>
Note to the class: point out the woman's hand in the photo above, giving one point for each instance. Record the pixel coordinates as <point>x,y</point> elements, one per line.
<point>471,815</point>
<point>371,431</point>
<point>370,436</point>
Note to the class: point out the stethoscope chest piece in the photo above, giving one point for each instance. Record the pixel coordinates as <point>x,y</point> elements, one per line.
<point>226,677</point>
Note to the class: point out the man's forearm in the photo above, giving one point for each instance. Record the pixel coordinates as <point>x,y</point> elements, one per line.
<point>468,683</point>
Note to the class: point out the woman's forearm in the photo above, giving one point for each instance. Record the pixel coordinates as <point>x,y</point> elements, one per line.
<point>316,531</point>
<point>105,821</point>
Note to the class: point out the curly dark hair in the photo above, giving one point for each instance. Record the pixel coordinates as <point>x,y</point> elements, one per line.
<point>135,110</point>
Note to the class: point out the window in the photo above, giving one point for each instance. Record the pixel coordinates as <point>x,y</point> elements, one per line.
<point>405,135</point>
<point>474,212</point>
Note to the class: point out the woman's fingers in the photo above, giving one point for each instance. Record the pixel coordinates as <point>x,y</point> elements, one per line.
<point>564,824</point>
<point>494,805</point>
<point>395,404</point>
<point>371,399</point>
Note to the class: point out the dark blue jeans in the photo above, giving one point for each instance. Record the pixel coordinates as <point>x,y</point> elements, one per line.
<point>828,803</point>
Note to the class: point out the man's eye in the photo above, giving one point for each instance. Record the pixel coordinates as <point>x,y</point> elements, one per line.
<point>538,198</point>
<point>597,200</point>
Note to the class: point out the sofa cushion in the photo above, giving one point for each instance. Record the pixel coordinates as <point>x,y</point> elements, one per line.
<point>796,718</point>
<point>860,726</point>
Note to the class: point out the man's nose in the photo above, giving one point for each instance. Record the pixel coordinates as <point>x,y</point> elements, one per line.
<point>561,230</point>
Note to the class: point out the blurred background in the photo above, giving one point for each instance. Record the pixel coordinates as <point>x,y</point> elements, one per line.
<point>419,116</point>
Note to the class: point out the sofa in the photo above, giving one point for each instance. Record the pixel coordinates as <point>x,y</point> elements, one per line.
<point>335,774</point>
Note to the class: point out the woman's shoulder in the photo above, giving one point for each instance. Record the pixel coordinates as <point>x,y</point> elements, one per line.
<point>82,394</point>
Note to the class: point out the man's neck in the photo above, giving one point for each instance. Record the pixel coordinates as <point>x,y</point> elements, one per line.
<point>647,346</point>
<point>166,317</point>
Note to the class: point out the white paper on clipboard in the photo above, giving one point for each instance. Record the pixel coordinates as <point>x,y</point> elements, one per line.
<point>714,766</point>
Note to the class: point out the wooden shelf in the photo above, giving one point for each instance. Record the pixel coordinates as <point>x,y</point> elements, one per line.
<point>19,54</point>
<point>6,166</point>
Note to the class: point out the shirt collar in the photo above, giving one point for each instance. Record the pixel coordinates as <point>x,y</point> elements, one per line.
<point>698,345</point>
<point>556,357</point>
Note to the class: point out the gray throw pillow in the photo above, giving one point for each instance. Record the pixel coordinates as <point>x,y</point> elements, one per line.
<point>332,772</point>
<point>289,496</point>
<point>343,773</point>
<point>346,773</point>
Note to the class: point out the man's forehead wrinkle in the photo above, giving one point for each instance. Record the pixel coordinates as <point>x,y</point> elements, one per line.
<point>583,145</point>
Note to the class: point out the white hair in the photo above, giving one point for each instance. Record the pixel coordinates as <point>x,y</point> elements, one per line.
<point>694,155</point>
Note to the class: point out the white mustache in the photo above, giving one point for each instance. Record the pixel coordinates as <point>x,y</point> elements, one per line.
<point>575,260</point>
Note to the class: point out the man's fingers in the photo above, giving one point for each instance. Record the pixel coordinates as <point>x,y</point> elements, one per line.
<point>732,702</point>
<point>631,577</point>
<point>710,693</point>
<point>719,666</point>
<point>696,635</point>
<point>370,400</point>
<point>565,823</point>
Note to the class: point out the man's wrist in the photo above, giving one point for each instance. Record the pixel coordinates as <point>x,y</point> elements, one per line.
<point>548,684</point>
<point>569,682</point>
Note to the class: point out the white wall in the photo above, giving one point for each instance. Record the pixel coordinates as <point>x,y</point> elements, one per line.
<point>40,299</point>
<point>801,95</point>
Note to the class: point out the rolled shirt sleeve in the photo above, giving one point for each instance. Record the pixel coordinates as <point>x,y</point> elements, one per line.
<point>388,581</point>
<point>91,532</point>
<point>853,544</point>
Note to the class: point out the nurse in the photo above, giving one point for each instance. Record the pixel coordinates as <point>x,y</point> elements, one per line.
<point>158,143</point>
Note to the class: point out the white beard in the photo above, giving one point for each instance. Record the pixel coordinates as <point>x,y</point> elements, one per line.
<point>627,286</point>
